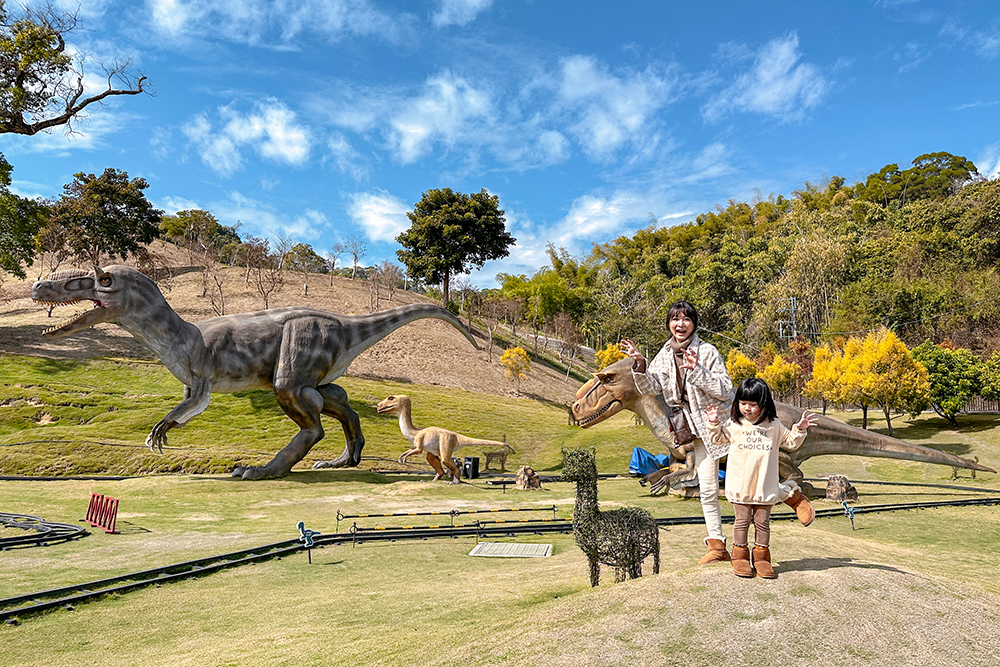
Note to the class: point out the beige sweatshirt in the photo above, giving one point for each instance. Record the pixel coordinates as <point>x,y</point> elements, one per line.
<point>752,470</point>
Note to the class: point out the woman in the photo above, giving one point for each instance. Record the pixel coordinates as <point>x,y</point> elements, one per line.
<point>691,375</point>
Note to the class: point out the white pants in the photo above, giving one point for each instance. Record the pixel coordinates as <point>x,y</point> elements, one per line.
<point>708,487</point>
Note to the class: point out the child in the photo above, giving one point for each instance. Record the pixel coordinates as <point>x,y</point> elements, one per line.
<point>754,434</point>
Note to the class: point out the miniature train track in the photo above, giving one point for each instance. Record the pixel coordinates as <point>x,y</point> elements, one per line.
<point>65,597</point>
<point>38,531</point>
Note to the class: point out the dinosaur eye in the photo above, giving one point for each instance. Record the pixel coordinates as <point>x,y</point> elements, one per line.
<point>105,280</point>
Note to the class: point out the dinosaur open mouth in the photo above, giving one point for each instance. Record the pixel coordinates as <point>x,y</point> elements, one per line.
<point>66,324</point>
<point>590,419</point>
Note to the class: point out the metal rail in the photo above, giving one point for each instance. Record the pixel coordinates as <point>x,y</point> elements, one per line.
<point>66,596</point>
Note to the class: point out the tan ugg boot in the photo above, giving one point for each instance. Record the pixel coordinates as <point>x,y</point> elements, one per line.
<point>803,509</point>
<point>762,562</point>
<point>716,552</point>
<point>741,561</point>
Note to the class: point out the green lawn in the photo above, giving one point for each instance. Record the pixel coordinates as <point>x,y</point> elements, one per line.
<point>842,595</point>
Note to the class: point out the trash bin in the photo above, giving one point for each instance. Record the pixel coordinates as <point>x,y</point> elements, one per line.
<point>470,467</point>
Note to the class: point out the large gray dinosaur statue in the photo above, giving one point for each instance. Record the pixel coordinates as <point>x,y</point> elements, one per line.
<point>296,352</point>
<point>612,390</point>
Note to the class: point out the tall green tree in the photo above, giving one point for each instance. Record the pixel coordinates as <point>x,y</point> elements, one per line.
<point>41,84</point>
<point>20,221</point>
<point>933,176</point>
<point>954,376</point>
<point>452,233</point>
<point>106,215</point>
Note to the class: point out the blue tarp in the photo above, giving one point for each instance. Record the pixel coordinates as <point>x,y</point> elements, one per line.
<point>644,462</point>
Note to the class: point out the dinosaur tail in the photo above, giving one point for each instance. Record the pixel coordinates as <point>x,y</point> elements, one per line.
<point>370,329</point>
<point>832,437</point>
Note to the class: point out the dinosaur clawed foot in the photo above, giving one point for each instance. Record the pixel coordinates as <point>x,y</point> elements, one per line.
<point>254,472</point>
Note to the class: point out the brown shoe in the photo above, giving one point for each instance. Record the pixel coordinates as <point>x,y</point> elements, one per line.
<point>741,562</point>
<point>803,509</point>
<point>716,552</point>
<point>762,563</point>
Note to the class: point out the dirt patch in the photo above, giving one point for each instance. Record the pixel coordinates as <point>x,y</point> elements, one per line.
<point>831,611</point>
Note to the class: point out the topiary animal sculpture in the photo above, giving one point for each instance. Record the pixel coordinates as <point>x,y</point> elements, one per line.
<point>621,538</point>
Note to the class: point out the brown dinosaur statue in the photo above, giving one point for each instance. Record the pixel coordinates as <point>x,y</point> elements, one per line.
<point>295,352</point>
<point>437,443</point>
<point>612,390</point>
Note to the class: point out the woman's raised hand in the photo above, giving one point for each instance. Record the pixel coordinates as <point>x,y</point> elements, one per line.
<point>631,351</point>
<point>690,359</point>
<point>807,420</point>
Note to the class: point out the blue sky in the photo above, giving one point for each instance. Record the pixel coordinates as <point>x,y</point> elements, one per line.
<point>321,119</point>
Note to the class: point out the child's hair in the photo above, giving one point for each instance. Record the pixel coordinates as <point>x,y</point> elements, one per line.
<point>757,391</point>
<point>685,308</point>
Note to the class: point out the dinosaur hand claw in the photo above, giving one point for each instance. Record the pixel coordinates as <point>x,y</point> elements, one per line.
<point>157,438</point>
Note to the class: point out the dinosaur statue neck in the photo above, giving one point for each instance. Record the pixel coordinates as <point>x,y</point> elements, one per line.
<point>406,422</point>
<point>652,410</point>
<point>166,333</point>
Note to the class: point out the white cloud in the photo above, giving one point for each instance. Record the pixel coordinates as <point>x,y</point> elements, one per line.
<point>270,128</point>
<point>381,215</point>
<point>459,12</point>
<point>171,204</point>
<point>347,160</point>
<point>988,161</point>
<point>444,112</point>
<point>711,162</point>
<point>609,111</point>
<point>262,219</point>
<point>263,22</point>
<point>776,85</point>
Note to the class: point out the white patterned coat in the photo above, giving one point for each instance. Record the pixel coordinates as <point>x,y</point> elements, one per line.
<point>707,384</point>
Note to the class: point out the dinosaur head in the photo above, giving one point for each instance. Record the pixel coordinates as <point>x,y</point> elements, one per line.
<point>610,391</point>
<point>113,291</point>
<point>393,405</point>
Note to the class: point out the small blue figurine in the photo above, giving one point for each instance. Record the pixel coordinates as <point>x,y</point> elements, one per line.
<point>306,537</point>
<point>848,512</point>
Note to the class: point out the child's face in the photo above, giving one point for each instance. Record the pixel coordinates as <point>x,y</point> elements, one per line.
<point>750,410</point>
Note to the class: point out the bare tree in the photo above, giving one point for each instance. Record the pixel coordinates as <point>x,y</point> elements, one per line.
<point>570,338</point>
<point>42,79</point>
<point>356,247</point>
<point>263,269</point>
<point>336,250</point>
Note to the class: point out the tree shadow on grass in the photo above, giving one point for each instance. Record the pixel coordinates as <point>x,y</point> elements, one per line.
<point>820,564</point>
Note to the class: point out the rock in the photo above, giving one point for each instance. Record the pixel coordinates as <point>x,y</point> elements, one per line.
<point>527,479</point>
<point>839,488</point>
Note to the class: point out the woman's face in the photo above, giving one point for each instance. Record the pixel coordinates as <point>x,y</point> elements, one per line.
<point>681,326</point>
<point>750,410</point>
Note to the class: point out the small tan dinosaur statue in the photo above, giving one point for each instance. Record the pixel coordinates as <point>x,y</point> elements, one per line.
<point>437,443</point>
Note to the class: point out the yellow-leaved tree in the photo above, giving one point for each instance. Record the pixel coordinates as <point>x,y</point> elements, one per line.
<point>516,366</point>
<point>609,355</point>
<point>826,370</point>
<point>781,375</point>
<point>895,381</point>
<point>849,382</point>
<point>740,366</point>
<point>880,371</point>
